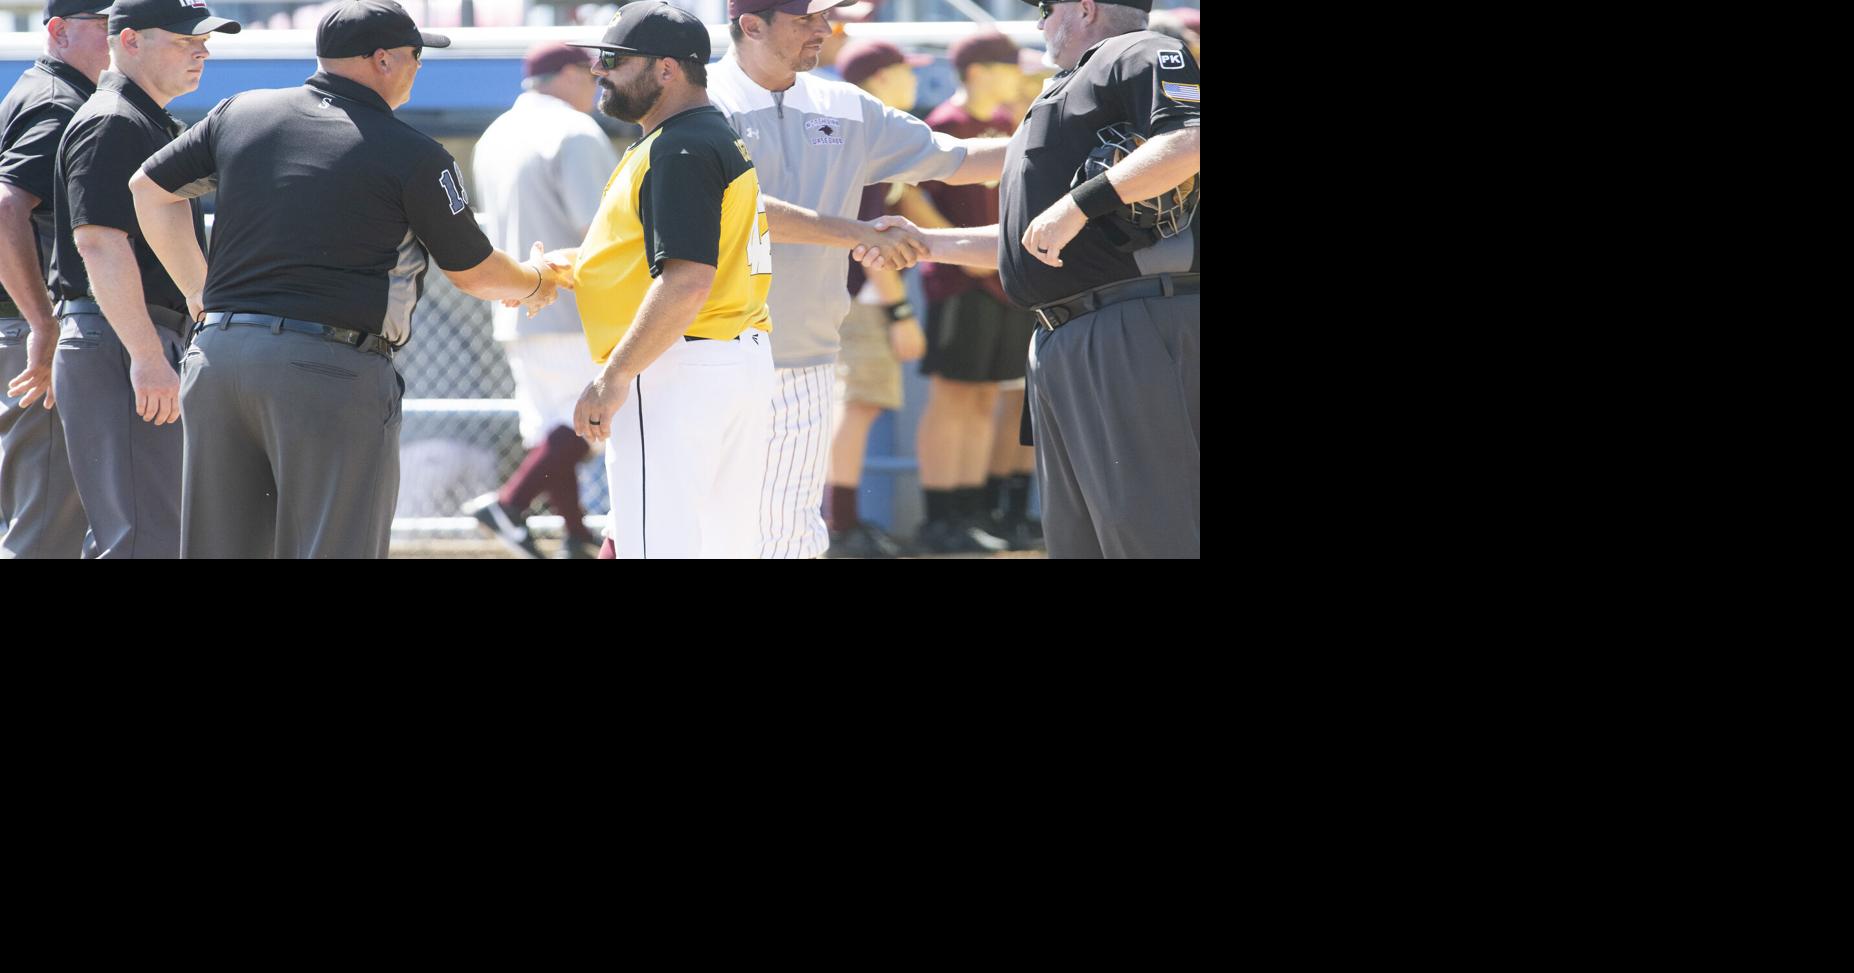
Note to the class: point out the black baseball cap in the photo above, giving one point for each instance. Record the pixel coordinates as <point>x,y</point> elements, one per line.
<point>71,8</point>
<point>178,16</point>
<point>1145,5</point>
<point>360,27</point>
<point>657,29</point>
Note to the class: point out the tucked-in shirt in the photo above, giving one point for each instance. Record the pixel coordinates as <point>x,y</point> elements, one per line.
<point>117,129</point>
<point>968,205</point>
<point>816,145</point>
<point>330,209</point>
<point>686,191</point>
<point>540,170</point>
<point>33,117</point>
<point>1146,80</point>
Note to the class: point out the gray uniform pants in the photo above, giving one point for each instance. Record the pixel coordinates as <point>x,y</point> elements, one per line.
<point>126,468</point>
<point>1113,396</point>
<point>40,515</point>
<point>292,446</point>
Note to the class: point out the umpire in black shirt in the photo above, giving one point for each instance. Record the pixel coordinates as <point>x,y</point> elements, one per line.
<point>1100,238</point>
<point>122,321</point>
<point>328,208</point>
<point>40,515</point>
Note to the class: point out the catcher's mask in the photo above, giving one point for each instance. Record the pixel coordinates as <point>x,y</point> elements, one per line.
<point>1140,224</point>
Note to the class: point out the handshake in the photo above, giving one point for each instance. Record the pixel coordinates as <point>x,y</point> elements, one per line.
<point>889,243</point>
<point>552,270</point>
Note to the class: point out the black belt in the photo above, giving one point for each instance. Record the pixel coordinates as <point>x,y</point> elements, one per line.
<point>347,336</point>
<point>697,337</point>
<point>163,317</point>
<point>1055,314</point>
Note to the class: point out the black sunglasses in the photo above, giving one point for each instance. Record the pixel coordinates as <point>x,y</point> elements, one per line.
<point>1048,7</point>
<point>608,60</point>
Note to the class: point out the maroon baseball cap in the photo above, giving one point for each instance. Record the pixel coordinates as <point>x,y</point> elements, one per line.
<point>795,7</point>
<point>549,58</point>
<point>1145,5</point>
<point>863,57</point>
<point>989,47</point>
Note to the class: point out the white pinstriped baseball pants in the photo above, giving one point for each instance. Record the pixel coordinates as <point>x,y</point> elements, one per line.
<point>797,463</point>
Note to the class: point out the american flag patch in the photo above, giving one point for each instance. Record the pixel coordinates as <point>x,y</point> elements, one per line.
<point>1179,92</point>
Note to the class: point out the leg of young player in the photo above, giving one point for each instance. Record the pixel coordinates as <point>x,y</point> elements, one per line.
<point>1012,467</point>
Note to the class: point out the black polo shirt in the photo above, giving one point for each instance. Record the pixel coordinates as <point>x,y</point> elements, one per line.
<point>118,128</point>
<point>1142,78</point>
<point>32,120</point>
<point>328,205</point>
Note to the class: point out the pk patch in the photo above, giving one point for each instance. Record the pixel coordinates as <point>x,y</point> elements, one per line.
<point>1171,60</point>
<point>824,130</point>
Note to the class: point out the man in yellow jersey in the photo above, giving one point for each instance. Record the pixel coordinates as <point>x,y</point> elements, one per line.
<point>672,281</point>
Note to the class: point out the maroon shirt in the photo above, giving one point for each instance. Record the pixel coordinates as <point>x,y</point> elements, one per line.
<point>970,205</point>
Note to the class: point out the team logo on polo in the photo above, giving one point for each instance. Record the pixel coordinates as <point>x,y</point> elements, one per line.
<point>825,130</point>
<point>195,4</point>
<point>1171,60</point>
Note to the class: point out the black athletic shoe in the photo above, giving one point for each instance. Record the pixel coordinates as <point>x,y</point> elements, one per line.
<point>495,521</point>
<point>573,549</point>
<point>957,537</point>
<point>865,540</point>
<point>1023,534</point>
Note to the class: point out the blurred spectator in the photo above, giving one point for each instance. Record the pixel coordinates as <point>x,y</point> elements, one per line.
<point>977,496</point>
<point>881,331</point>
<point>1180,23</point>
<point>540,170</point>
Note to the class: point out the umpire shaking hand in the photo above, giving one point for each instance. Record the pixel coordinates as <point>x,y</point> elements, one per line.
<point>1107,161</point>
<point>330,211</point>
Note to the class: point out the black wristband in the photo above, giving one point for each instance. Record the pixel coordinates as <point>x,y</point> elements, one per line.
<point>900,312</point>
<point>1097,197</point>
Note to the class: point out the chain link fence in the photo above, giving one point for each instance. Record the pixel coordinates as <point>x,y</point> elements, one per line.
<point>461,437</point>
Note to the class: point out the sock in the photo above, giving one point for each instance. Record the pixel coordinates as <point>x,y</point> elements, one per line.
<point>840,508</point>
<point>543,462</point>
<point>972,502</point>
<point>998,497</point>
<point>940,504</point>
<point>1019,487</point>
<point>566,449</point>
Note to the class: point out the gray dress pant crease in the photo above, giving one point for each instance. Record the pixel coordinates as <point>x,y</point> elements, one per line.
<point>292,446</point>
<point>1114,399</point>
<point>40,515</point>
<point>127,469</point>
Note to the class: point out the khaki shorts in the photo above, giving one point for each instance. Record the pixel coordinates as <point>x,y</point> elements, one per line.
<point>866,368</point>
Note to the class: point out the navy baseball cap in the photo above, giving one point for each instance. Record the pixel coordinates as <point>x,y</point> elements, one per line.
<point>1145,5</point>
<point>657,29</point>
<point>795,7</point>
<point>360,27</point>
<point>178,16</point>
<point>71,8</point>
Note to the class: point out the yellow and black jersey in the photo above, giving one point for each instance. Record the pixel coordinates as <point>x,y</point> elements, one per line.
<point>686,191</point>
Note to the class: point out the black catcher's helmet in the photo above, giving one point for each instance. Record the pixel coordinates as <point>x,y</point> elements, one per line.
<point>1146,222</point>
